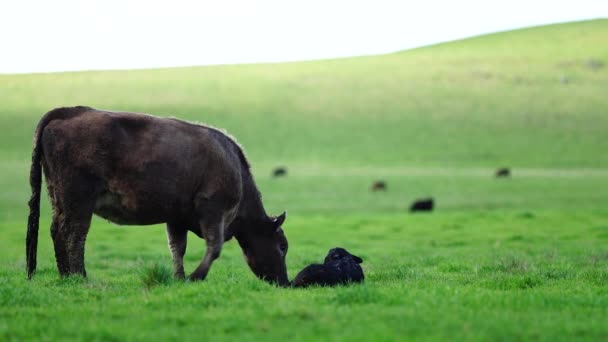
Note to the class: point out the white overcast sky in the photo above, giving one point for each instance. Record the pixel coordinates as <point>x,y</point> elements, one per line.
<point>60,35</point>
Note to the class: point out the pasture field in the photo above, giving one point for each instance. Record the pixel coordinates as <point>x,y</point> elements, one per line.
<point>519,258</point>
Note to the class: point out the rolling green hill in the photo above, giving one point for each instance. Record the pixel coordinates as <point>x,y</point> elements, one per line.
<point>433,120</point>
<point>495,99</point>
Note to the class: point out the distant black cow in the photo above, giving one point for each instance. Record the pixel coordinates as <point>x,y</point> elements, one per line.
<point>279,172</point>
<point>339,267</point>
<point>424,204</point>
<point>503,172</point>
<point>378,185</point>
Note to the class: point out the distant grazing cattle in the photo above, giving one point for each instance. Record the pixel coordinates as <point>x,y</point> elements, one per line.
<point>135,169</point>
<point>339,267</point>
<point>425,204</point>
<point>503,172</point>
<point>594,64</point>
<point>279,172</point>
<point>378,185</point>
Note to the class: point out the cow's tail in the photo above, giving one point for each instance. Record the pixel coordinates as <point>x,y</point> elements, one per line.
<point>31,240</point>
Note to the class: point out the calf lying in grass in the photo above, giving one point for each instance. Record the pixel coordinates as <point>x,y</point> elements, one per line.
<point>339,267</point>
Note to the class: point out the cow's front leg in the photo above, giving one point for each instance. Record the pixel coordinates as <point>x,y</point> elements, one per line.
<point>213,231</point>
<point>178,239</point>
<point>215,213</point>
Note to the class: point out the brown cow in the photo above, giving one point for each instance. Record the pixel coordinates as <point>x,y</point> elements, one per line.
<point>136,169</point>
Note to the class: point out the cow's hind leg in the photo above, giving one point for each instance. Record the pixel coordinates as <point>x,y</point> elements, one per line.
<point>61,253</point>
<point>58,234</point>
<point>211,225</point>
<point>177,238</point>
<point>78,203</point>
<point>77,225</point>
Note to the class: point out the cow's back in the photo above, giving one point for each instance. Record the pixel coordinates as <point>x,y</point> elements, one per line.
<point>148,168</point>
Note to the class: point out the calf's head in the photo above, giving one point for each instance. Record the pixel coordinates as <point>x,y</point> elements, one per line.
<point>264,247</point>
<point>341,253</point>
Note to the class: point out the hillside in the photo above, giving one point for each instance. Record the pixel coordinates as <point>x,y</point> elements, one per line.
<point>477,101</point>
<point>530,99</point>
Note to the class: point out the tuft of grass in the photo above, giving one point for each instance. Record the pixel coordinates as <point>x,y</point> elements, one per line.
<point>507,282</point>
<point>596,276</point>
<point>155,275</point>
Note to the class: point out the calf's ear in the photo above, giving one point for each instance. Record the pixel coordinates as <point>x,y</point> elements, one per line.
<point>357,259</point>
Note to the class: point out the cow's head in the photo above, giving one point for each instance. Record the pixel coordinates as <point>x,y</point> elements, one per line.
<point>264,247</point>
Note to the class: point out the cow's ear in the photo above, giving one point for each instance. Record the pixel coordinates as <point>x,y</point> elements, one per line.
<point>357,259</point>
<point>278,221</point>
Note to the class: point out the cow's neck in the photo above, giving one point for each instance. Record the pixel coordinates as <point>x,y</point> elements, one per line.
<point>251,210</point>
<point>251,206</point>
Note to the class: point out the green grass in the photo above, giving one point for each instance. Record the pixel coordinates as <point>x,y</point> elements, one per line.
<point>521,258</point>
<point>478,275</point>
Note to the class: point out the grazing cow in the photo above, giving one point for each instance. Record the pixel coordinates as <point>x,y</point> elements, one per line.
<point>136,169</point>
<point>279,171</point>
<point>503,172</point>
<point>424,204</point>
<point>378,185</point>
<point>339,267</point>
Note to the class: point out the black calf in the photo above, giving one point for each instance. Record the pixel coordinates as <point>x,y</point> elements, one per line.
<point>339,267</point>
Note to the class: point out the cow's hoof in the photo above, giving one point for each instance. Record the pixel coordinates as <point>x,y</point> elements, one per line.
<point>196,277</point>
